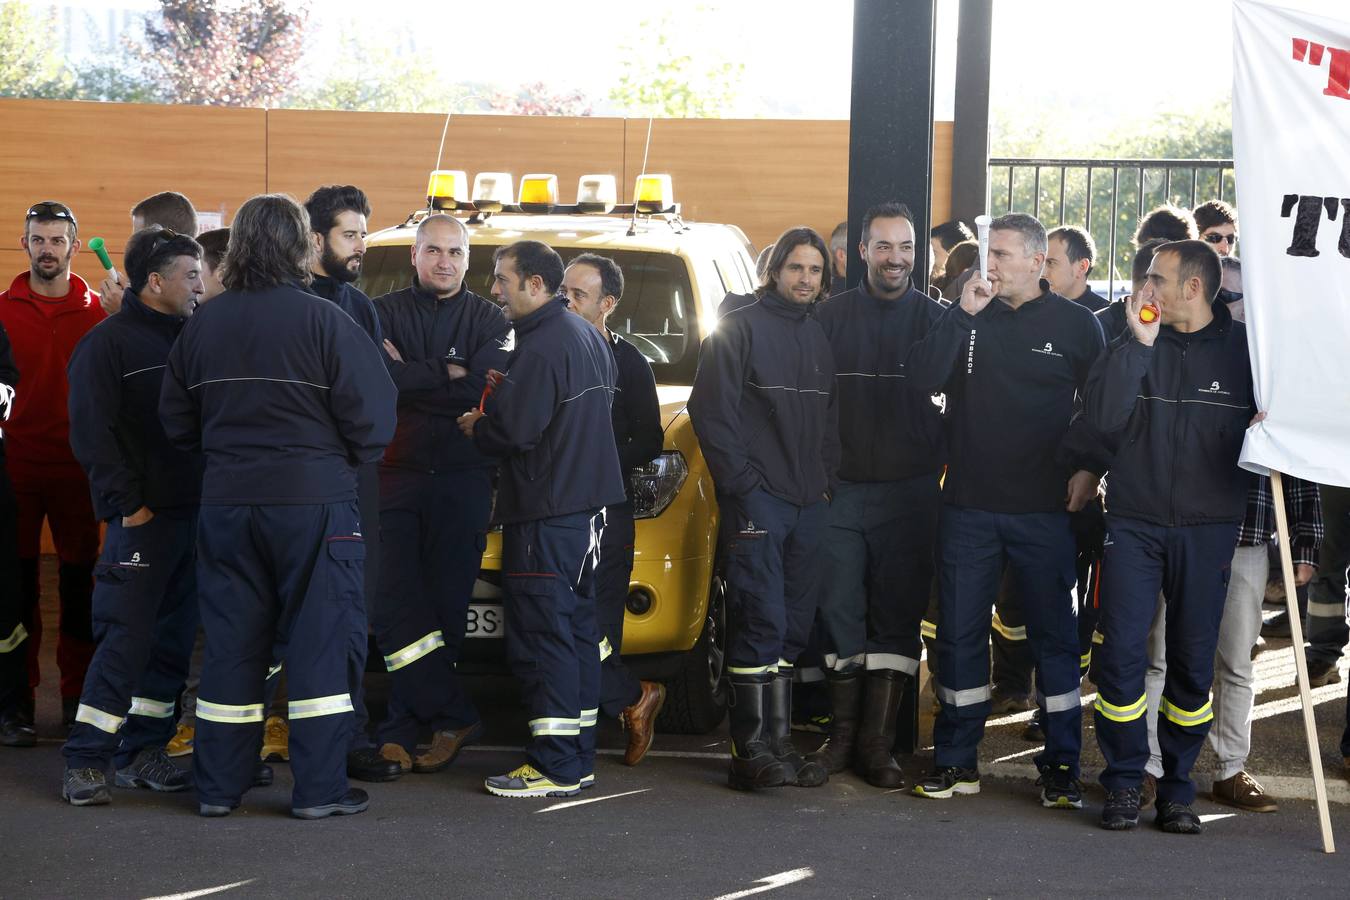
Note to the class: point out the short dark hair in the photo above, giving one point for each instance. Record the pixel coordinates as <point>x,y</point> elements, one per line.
<point>949,234</point>
<point>1029,227</point>
<point>213,244</point>
<point>782,248</point>
<point>1143,258</point>
<point>1197,260</point>
<point>533,258</point>
<point>153,250</point>
<point>1215,212</point>
<point>611,276</point>
<point>1171,223</point>
<point>889,210</point>
<point>331,201</point>
<point>167,209</point>
<point>1078,244</point>
<point>269,245</point>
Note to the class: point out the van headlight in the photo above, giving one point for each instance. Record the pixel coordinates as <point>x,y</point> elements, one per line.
<point>656,484</point>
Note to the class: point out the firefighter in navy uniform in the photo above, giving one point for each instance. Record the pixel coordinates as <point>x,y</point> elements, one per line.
<point>548,420</point>
<point>1175,397</point>
<point>593,286</point>
<point>435,495</point>
<point>883,514</point>
<point>1012,358</point>
<point>763,408</point>
<point>286,397</point>
<point>15,728</point>
<point>145,599</point>
<point>337,217</point>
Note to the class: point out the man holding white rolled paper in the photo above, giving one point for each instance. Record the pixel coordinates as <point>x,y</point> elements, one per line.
<point>1012,358</point>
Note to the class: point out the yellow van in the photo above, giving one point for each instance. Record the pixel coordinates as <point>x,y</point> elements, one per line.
<point>675,274</point>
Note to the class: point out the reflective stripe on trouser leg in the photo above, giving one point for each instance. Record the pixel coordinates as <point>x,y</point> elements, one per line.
<point>229,714</point>
<point>414,651</point>
<point>15,638</point>
<point>98,718</point>
<point>1012,633</point>
<point>155,709</point>
<point>892,661</point>
<point>966,697</point>
<point>332,705</point>
<point>554,727</point>
<point>1186,718</point>
<point>1058,703</point>
<point>837,663</point>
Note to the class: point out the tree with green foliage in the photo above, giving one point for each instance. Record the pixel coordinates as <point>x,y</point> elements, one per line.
<point>28,67</point>
<point>658,81</point>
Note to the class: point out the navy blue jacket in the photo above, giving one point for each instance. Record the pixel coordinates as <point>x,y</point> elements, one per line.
<point>888,431</point>
<point>636,411</point>
<point>283,393</point>
<point>115,376</point>
<point>549,420</point>
<point>429,333</point>
<point>1014,380</point>
<point>1094,302</point>
<point>763,402</point>
<point>1176,414</point>
<point>9,382</point>
<point>1112,320</point>
<point>353,301</point>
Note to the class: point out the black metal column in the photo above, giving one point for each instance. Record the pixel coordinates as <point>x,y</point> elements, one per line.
<point>890,153</point>
<point>970,136</point>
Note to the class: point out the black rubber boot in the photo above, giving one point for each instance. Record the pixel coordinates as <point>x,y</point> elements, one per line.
<point>801,772</point>
<point>753,765</point>
<point>876,734</point>
<point>836,754</point>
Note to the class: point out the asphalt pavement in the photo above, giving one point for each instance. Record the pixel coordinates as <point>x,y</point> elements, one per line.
<point>669,828</point>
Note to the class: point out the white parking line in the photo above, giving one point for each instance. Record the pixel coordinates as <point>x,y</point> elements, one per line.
<point>570,803</point>
<point>188,895</point>
<point>771,882</point>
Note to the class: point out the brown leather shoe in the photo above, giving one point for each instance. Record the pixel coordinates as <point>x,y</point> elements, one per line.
<point>395,753</point>
<point>1243,792</point>
<point>640,720</point>
<point>1148,791</point>
<point>445,746</point>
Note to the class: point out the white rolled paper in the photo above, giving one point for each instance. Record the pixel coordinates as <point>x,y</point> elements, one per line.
<point>982,230</point>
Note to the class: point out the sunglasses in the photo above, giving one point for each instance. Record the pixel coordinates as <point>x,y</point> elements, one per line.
<point>1213,238</point>
<point>50,209</point>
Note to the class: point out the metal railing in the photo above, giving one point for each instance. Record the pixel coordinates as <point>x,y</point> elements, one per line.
<point>1105,197</point>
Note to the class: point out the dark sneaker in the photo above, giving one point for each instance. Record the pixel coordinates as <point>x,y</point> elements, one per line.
<point>1244,792</point>
<point>1035,730</point>
<point>1323,674</point>
<point>527,781</point>
<point>85,787</point>
<point>588,781</point>
<point>16,731</point>
<point>1003,704</point>
<point>263,776</point>
<point>1177,818</point>
<point>1148,792</point>
<point>215,810</point>
<point>154,770</point>
<point>947,782</point>
<point>1121,810</point>
<point>353,802</point>
<point>1060,789</point>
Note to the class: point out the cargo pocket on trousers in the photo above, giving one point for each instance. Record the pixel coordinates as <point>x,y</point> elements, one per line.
<point>531,617</point>
<point>347,557</point>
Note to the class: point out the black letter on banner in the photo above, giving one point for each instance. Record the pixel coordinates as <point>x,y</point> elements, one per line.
<point>1307,221</point>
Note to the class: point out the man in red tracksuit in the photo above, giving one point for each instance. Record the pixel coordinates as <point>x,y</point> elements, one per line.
<point>46,311</point>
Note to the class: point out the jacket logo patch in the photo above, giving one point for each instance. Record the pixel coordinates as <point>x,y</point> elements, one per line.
<point>970,353</point>
<point>1214,388</point>
<point>134,562</point>
<point>751,531</point>
<point>1047,350</point>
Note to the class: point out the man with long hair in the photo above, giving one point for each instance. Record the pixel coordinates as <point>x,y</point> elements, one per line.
<point>764,411</point>
<point>286,396</point>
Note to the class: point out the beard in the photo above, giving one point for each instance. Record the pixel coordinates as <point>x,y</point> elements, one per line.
<point>338,268</point>
<point>50,266</point>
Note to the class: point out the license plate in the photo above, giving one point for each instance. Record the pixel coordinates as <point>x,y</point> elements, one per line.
<point>486,620</point>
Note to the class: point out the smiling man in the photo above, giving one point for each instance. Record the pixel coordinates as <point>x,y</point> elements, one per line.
<point>1012,358</point>
<point>883,515</point>
<point>148,491</point>
<point>764,410</point>
<point>46,311</point>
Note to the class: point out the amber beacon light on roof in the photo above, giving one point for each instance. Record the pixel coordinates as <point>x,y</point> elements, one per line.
<point>449,190</point>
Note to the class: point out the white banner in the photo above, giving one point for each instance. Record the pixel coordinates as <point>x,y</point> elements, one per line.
<point>1291,148</point>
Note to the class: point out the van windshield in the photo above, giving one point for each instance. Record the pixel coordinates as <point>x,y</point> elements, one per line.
<point>657,314</point>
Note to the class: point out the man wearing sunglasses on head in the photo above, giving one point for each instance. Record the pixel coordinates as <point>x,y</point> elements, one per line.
<point>1217,223</point>
<point>45,312</point>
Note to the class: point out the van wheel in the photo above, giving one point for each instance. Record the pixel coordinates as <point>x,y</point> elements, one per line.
<point>696,696</point>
